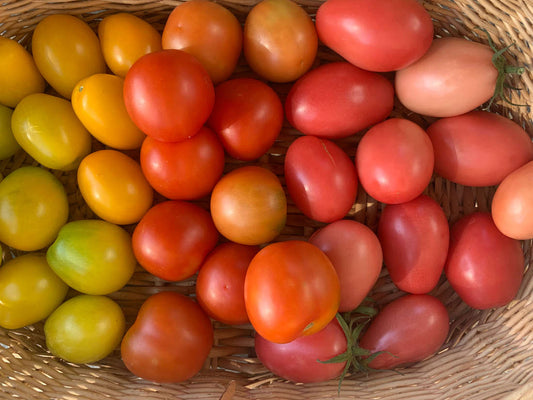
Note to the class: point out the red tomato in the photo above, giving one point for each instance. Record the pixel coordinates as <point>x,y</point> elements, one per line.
<point>291,290</point>
<point>478,148</point>
<point>321,178</point>
<point>300,360</point>
<point>168,95</point>
<point>409,329</point>
<point>356,254</point>
<point>512,209</point>
<point>173,238</point>
<point>247,116</point>
<point>381,35</point>
<point>415,238</point>
<point>484,266</point>
<point>170,339</point>
<point>184,170</point>
<point>395,161</point>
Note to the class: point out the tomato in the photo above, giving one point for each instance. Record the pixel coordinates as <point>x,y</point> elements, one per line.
<point>511,204</point>
<point>394,161</point>
<point>114,187</point>
<point>47,128</point>
<point>183,170</point>
<point>356,254</point>
<point>411,328</point>
<point>124,38</point>
<point>249,205</point>
<point>208,31</point>
<point>375,35</point>
<point>484,266</point>
<point>33,208</point>
<point>29,291</point>
<point>170,339</point>
<point>415,239</point>
<point>85,329</point>
<point>280,40</point>
<point>478,148</point>
<point>321,179</point>
<point>291,289</point>
<point>92,256</point>
<point>300,360</point>
<point>168,94</point>
<point>19,75</point>
<point>322,102</point>
<point>220,282</point>
<point>247,117</point>
<point>66,50</point>
<point>99,104</point>
<point>173,238</point>
<point>8,144</point>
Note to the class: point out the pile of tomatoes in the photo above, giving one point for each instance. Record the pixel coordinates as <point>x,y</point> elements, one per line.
<point>167,111</point>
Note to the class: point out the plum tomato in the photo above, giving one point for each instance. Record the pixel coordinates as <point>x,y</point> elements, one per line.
<point>8,144</point>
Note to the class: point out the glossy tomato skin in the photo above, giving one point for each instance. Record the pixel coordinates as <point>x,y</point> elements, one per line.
<point>170,339</point>
<point>478,148</point>
<point>415,240</point>
<point>247,117</point>
<point>375,35</point>
<point>184,170</point>
<point>300,360</point>
<point>484,266</point>
<point>321,179</point>
<point>357,255</point>
<point>322,102</point>
<point>454,77</point>
<point>173,238</point>
<point>291,290</point>
<point>395,161</point>
<point>408,329</point>
<point>168,94</point>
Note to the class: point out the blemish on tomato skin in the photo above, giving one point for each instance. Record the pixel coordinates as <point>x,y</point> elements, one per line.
<point>327,151</point>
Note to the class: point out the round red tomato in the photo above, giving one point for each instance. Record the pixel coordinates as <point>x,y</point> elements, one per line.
<point>168,94</point>
<point>173,238</point>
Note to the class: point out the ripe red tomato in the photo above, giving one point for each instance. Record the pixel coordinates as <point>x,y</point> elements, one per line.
<point>183,170</point>
<point>409,329</point>
<point>381,36</point>
<point>247,117</point>
<point>338,99</point>
<point>484,266</point>
<point>415,239</point>
<point>321,179</point>
<point>356,254</point>
<point>291,290</point>
<point>170,339</point>
<point>173,238</point>
<point>168,94</point>
<point>395,161</point>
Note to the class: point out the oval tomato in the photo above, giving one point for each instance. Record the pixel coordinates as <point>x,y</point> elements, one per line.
<point>8,144</point>
<point>321,179</point>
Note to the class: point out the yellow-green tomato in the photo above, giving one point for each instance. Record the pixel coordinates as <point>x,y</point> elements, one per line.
<point>85,329</point>
<point>66,50</point>
<point>99,104</point>
<point>8,145</point>
<point>92,256</point>
<point>19,75</point>
<point>114,187</point>
<point>33,208</point>
<point>29,291</point>
<point>47,128</point>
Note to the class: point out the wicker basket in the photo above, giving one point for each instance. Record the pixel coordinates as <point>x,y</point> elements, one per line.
<point>488,354</point>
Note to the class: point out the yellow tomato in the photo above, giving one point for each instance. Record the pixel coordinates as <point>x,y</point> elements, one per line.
<point>124,39</point>
<point>114,187</point>
<point>99,104</point>
<point>8,145</point>
<point>66,50</point>
<point>19,75</point>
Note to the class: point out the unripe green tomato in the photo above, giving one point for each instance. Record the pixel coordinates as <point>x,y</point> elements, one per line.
<point>8,144</point>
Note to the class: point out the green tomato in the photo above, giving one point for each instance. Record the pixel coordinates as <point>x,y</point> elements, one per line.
<point>85,329</point>
<point>93,256</point>
<point>8,145</point>
<point>33,208</point>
